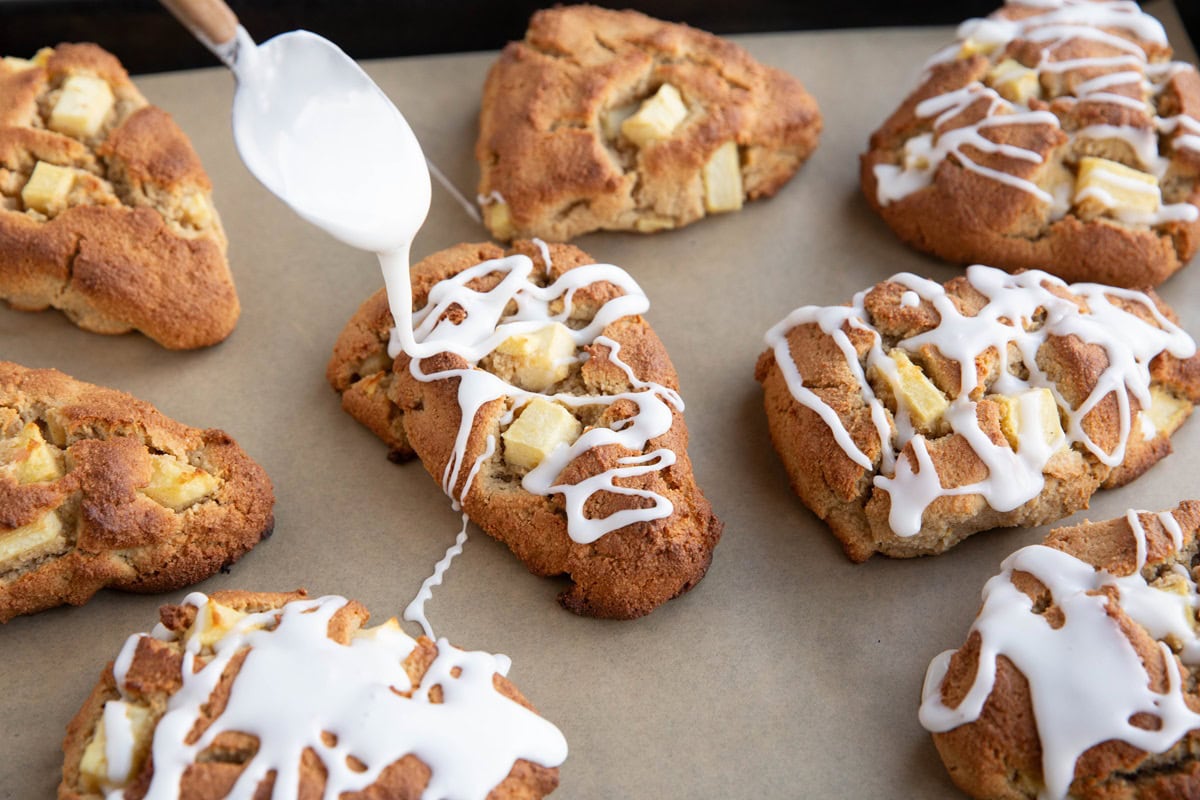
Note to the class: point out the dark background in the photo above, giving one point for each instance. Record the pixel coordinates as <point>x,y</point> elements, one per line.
<point>147,39</point>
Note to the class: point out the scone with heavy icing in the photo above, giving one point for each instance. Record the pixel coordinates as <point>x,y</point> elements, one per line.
<point>1076,677</point>
<point>278,695</point>
<point>1053,135</point>
<point>97,488</point>
<point>920,414</point>
<point>548,410</point>
<point>612,120</point>
<point>105,210</point>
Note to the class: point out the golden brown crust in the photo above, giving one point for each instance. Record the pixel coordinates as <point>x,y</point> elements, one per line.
<point>841,491</point>
<point>139,245</point>
<point>999,756</point>
<point>153,676</point>
<point>967,217</point>
<point>625,573</point>
<point>543,145</point>
<point>114,534</point>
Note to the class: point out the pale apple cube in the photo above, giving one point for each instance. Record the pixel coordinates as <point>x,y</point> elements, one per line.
<point>612,120</point>
<point>47,188</point>
<point>723,180</point>
<point>31,458</point>
<point>498,220</point>
<point>196,210</point>
<point>82,106</point>
<point>1166,412</point>
<point>1112,185</point>
<point>176,484</point>
<point>658,117</point>
<point>18,64</point>
<point>1037,406</point>
<point>541,428</point>
<point>213,621</point>
<point>124,732</point>
<point>1014,81</point>
<point>543,358</point>
<point>921,398</point>
<point>38,538</point>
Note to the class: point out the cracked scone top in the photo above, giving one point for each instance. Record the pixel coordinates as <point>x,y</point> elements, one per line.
<point>921,413</point>
<point>97,488</point>
<point>105,210</point>
<point>244,695</point>
<point>1055,135</point>
<point>549,411</point>
<point>612,120</point>
<point>1076,677</point>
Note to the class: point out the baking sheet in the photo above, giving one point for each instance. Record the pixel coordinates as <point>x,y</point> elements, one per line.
<point>788,672</point>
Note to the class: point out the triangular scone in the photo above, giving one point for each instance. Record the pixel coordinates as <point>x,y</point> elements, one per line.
<point>105,210</point>
<point>283,693</point>
<point>1078,677</point>
<point>574,446</point>
<point>98,489</point>
<point>612,120</point>
<point>901,450</point>
<point>1056,136</point>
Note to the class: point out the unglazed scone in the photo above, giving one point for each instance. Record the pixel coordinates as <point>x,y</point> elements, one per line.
<point>1076,677</point>
<point>612,120</point>
<point>1053,135</point>
<point>105,210</point>
<point>256,695</point>
<point>98,489</point>
<point>550,413</point>
<point>920,414</point>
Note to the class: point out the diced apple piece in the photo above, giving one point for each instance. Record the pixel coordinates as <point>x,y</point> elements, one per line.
<point>972,47</point>
<point>498,220</point>
<point>31,458</point>
<point>38,538</point>
<point>81,108</point>
<point>93,765</point>
<point>611,120</point>
<point>213,621</point>
<point>18,64</point>
<point>1014,81</point>
<point>47,188</point>
<point>1037,405</point>
<point>196,210</point>
<point>659,115</point>
<point>388,630</point>
<point>652,223</point>
<point>543,357</point>
<point>126,728</point>
<point>723,180</point>
<point>1167,412</point>
<point>1108,185</point>
<point>542,428</point>
<point>922,399</point>
<point>176,484</point>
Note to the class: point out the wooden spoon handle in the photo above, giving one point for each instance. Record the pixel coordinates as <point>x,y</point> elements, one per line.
<point>211,19</point>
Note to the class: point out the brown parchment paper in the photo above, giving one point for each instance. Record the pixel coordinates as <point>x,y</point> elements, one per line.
<point>788,672</point>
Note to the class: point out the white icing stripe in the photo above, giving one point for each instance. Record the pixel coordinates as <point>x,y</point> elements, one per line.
<point>1014,476</point>
<point>1085,679</point>
<point>1061,22</point>
<point>296,684</point>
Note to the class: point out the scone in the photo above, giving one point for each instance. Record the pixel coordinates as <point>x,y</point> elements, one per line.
<point>1057,136</point>
<point>1076,676</point>
<point>550,413</point>
<point>256,695</point>
<point>105,210</point>
<point>612,120</point>
<point>920,414</point>
<point>99,489</point>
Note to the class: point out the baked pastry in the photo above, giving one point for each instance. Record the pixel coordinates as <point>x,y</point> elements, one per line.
<point>549,411</point>
<point>612,120</point>
<point>241,694</point>
<point>105,210</point>
<point>1057,136</point>
<point>920,414</point>
<point>99,489</point>
<point>1077,674</point>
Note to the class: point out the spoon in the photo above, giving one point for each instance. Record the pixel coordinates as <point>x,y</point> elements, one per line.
<point>323,138</point>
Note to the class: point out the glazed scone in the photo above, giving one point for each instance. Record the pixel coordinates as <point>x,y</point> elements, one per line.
<point>612,120</point>
<point>98,489</point>
<point>1076,678</point>
<point>105,210</point>
<point>244,694</point>
<point>551,415</point>
<point>920,414</point>
<point>1053,135</point>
